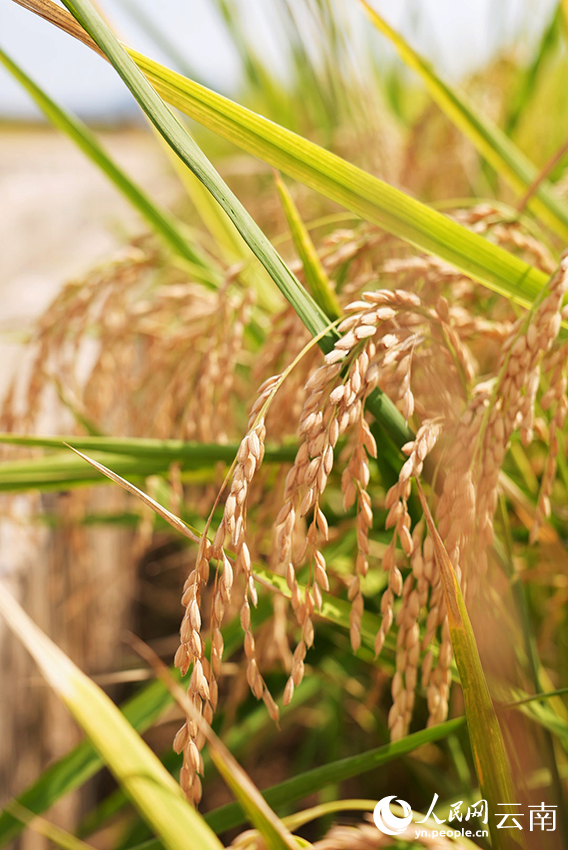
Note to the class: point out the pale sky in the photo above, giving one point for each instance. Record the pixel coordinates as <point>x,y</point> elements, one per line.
<point>456,35</point>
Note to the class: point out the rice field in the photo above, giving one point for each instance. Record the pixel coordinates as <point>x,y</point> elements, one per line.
<point>292,454</point>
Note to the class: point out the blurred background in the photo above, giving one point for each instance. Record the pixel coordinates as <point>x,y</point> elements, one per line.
<point>458,38</point>
<point>207,40</point>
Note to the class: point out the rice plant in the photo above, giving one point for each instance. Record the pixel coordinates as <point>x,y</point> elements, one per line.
<point>332,395</point>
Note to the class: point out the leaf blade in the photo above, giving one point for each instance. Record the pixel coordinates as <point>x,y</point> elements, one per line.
<point>151,788</point>
<point>490,756</point>
<point>329,174</point>
<point>134,457</point>
<point>367,196</point>
<point>160,220</point>
<point>75,768</point>
<point>315,273</point>
<point>490,141</point>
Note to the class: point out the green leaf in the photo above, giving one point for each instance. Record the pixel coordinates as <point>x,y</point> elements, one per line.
<point>369,197</point>
<point>53,833</point>
<point>61,471</point>
<point>337,179</point>
<point>252,727</point>
<point>274,832</point>
<point>143,448</point>
<point>333,609</point>
<point>545,716</point>
<point>526,83</point>
<point>75,768</point>
<point>151,26</point>
<point>308,783</point>
<point>187,150</point>
<point>136,458</point>
<point>331,773</point>
<point>489,754</point>
<point>225,237</point>
<point>160,220</point>
<point>138,770</point>
<point>226,240</point>
<point>564,15</point>
<point>316,277</point>
<point>360,192</point>
<point>491,142</point>
<point>185,147</point>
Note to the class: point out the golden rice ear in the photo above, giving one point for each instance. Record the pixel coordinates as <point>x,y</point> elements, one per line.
<point>414,591</point>
<point>555,397</point>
